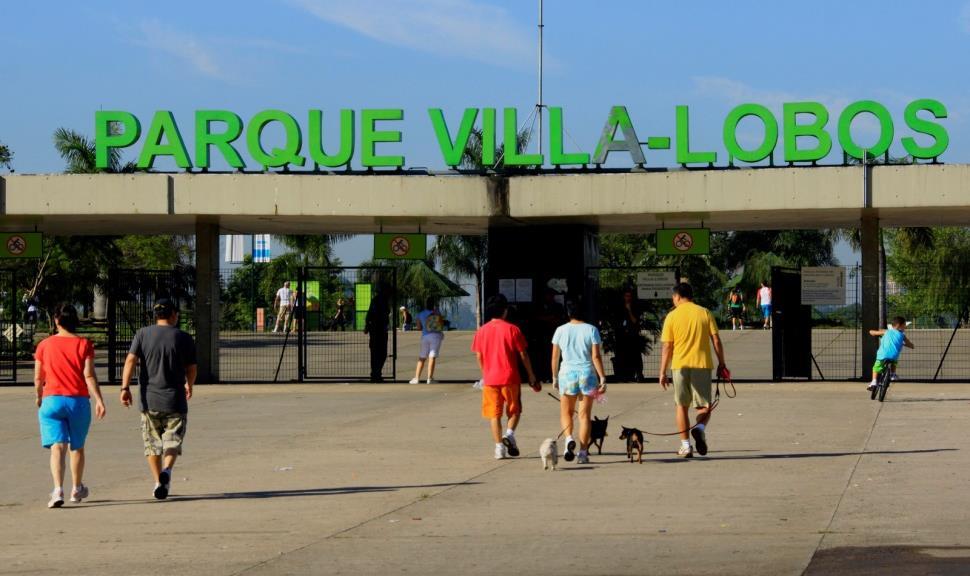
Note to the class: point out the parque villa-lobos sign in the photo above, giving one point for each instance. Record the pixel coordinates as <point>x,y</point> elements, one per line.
<point>804,134</point>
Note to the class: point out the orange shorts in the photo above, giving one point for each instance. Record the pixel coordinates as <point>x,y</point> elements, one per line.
<point>495,398</point>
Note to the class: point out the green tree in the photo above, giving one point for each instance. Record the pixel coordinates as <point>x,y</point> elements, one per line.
<point>464,256</point>
<point>932,272</point>
<point>6,157</point>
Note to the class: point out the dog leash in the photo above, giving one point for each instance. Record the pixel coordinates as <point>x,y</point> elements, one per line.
<point>722,377</point>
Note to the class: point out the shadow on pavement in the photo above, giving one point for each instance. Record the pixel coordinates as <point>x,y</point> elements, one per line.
<point>261,494</point>
<point>895,560</point>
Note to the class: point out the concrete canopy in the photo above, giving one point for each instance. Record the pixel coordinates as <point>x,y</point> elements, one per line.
<point>721,199</point>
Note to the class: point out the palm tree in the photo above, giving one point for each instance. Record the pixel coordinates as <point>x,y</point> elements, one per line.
<point>315,249</point>
<point>79,153</point>
<point>464,256</point>
<point>468,255</point>
<point>6,156</point>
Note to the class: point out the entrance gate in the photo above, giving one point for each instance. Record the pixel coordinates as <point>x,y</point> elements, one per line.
<point>629,350</point>
<point>331,310</point>
<point>791,337</point>
<point>9,326</point>
<point>131,299</point>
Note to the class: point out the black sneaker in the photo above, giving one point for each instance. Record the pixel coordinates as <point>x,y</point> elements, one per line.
<point>699,440</point>
<point>569,454</point>
<point>509,443</point>
<point>161,491</point>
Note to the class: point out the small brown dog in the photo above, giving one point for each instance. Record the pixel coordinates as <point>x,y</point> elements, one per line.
<point>634,443</point>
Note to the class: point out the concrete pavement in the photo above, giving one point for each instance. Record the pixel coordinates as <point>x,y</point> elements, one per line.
<point>809,478</point>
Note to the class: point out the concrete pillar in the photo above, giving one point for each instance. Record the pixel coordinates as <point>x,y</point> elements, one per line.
<point>207,300</point>
<point>869,299</point>
<point>539,253</point>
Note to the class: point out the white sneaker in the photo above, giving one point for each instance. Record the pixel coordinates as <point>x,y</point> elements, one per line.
<point>414,381</point>
<point>500,452</point>
<point>871,385</point>
<point>57,499</point>
<point>431,381</point>
<point>79,493</point>
<point>686,451</point>
<point>894,377</point>
<point>583,457</point>
<point>568,449</point>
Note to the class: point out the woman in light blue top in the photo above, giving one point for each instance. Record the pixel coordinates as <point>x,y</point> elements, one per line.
<point>581,374</point>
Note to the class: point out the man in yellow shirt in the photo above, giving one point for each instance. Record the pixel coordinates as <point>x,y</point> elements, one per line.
<point>688,333</point>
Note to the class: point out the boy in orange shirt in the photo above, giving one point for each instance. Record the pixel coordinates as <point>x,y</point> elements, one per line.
<point>497,345</point>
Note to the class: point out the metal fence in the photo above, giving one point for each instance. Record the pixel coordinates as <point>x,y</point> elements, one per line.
<point>10,326</point>
<point>837,335</point>
<point>335,304</point>
<point>256,344</point>
<point>631,345</point>
<point>936,306</point>
<point>131,299</point>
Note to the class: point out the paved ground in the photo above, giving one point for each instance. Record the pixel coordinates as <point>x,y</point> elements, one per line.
<point>396,479</point>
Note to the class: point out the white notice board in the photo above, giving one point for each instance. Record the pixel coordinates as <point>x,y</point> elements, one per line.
<point>823,285</point>
<point>655,284</point>
<point>523,289</point>
<point>506,287</point>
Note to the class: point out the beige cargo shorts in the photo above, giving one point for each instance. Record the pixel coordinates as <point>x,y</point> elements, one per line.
<point>163,432</point>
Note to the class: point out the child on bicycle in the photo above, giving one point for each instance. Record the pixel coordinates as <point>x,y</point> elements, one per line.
<point>890,345</point>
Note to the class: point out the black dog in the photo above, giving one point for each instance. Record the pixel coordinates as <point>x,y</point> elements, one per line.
<point>634,443</point>
<point>597,432</point>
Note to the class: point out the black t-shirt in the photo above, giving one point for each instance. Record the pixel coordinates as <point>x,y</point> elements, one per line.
<point>163,352</point>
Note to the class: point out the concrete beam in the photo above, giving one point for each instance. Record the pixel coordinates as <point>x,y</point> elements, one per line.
<point>760,198</point>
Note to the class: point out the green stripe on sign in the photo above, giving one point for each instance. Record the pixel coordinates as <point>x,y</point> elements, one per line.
<point>400,246</point>
<point>675,242</point>
<point>21,245</point>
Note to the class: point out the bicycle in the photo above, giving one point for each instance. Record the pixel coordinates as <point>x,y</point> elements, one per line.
<point>882,383</point>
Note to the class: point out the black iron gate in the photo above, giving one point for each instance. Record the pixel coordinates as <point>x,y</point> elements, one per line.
<point>629,348</point>
<point>791,338</point>
<point>131,298</point>
<point>331,310</point>
<point>9,326</point>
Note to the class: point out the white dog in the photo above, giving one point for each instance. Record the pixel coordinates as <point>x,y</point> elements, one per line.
<point>548,452</point>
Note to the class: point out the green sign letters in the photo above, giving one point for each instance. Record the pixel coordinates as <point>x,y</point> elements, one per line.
<point>805,131</point>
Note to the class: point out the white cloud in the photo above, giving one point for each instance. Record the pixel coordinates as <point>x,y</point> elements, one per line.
<point>154,35</point>
<point>464,28</point>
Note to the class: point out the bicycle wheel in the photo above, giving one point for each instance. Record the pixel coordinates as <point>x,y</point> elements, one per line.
<point>884,379</point>
<point>875,389</point>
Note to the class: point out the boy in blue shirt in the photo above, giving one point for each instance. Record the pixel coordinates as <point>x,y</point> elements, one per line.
<point>890,345</point>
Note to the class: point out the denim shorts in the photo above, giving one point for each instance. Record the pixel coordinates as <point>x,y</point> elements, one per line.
<point>64,420</point>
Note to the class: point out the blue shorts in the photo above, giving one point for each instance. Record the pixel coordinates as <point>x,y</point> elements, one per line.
<point>575,382</point>
<point>766,310</point>
<point>64,420</point>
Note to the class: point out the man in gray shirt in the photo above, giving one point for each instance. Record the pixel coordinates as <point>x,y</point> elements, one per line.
<point>168,369</point>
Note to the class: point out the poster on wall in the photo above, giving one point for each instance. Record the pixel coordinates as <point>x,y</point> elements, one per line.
<point>823,286</point>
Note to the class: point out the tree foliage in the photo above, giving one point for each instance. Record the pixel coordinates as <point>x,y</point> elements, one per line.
<point>6,157</point>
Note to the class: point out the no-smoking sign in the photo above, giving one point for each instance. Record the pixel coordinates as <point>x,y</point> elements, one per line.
<point>400,246</point>
<point>681,241</point>
<point>21,245</point>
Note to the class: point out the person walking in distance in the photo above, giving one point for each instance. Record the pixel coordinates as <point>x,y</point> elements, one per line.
<point>64,380</point>
<point>764,301</point>
<point>688,334</point>
<point>375,326</point>
<point>283,304</point>
<point>166,356</point>
<point>499,345</point>
<point>737,308</point>
<point>432,324</point>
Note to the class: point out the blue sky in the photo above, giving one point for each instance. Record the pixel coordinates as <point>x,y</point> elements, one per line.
<point>63,61</point>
